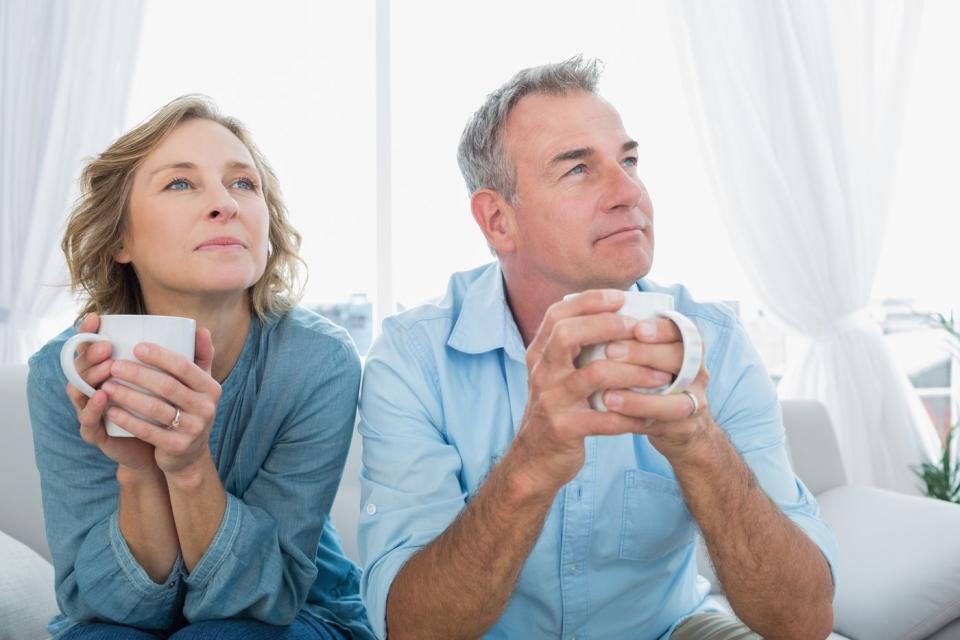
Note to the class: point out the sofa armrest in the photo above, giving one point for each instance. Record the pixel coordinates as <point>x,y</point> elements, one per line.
<point>22,514</point>
<point>27,601</point>
<point>812,445</point>
<point>899,569</point>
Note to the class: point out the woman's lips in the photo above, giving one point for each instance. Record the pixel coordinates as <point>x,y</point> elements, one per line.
<point>222,244</point>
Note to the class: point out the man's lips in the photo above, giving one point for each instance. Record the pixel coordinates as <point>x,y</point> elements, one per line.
<point>224,242</point>
<point>629,229</point>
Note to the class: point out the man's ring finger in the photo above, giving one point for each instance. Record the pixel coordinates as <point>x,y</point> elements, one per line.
<point>693,399</point>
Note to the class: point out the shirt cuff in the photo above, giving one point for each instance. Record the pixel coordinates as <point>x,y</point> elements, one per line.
<point>375,583</point>
<point>219,547</point>
<point>135,573</point>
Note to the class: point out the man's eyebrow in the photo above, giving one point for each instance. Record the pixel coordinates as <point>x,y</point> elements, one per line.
<point>572,154</point>
<point>583,152</point>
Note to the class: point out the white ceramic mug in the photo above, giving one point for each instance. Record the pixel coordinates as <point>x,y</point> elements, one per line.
<point>125,332</point>
<point>644,305</point>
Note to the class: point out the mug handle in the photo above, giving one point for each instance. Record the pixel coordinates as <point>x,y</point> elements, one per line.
<point>692,351</point>
<point>68,364</point>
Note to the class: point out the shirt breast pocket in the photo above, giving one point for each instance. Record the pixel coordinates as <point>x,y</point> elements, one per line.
<point>655,517</point>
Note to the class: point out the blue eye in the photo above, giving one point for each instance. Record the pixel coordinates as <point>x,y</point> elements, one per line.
<point>630,162</point>
<point>245,183</point>
<point>178,184</point>
<point>577,170</point>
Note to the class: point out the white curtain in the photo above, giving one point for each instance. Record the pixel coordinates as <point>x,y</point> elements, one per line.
<point>65,71</point>
<point>799,107</point>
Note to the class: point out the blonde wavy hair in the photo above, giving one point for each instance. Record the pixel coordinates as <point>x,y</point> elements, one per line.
<point>94,232</point>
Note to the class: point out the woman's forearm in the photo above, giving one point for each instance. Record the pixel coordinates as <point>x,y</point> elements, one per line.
<point>198,501</point>
<point>146,521</point>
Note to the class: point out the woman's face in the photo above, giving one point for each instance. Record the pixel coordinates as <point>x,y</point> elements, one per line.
<point>197,221</point>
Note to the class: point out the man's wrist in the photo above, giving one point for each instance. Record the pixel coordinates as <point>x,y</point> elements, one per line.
<point>523,484</point>
<point>704,450</point>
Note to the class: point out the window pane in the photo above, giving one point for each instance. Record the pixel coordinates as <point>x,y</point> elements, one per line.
<point>919,259</point>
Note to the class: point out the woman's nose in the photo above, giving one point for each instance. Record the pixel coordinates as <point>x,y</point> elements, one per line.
<point>224,206</point>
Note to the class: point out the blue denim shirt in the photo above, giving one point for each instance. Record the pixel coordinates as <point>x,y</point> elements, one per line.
<point>444,390</point>
<point>279,441</point>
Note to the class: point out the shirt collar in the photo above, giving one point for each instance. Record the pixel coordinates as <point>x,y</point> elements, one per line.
<point>485,321</point>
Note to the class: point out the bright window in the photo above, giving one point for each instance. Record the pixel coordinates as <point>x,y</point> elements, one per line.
<point>302,75</point>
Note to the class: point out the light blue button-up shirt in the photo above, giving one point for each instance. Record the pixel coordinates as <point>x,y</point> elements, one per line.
<point>443,393</point>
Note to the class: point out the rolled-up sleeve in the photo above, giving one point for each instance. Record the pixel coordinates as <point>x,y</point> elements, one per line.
<point>747,407</point>
<point>262,560</point>
<point>95,574</point>
<point>411,491</point>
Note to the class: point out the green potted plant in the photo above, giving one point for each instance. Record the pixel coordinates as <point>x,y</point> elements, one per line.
<point>942,478</point>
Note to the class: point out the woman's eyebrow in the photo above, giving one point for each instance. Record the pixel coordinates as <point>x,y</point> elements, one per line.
<point>173,165</point>
<point>235,164</point>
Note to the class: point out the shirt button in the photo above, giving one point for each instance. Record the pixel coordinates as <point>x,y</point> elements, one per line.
<point>571,569</point>
<point>371,508</point>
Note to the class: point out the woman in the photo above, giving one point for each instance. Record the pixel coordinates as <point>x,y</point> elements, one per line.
<point>218,527</point>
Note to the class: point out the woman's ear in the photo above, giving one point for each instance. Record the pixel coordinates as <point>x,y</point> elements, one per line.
<point>495,217</point>
<point>121,255</point>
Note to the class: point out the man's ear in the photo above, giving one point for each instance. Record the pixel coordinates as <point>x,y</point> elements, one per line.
<point>495,217</point>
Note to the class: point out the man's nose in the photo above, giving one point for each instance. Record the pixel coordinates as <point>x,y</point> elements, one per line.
<point>622,189</point>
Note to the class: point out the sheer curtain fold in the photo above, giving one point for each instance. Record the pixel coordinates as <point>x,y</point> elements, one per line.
<point>799,108</point>
<point>65,71</point>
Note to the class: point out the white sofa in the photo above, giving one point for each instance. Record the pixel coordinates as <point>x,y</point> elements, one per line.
<point>899,563</point>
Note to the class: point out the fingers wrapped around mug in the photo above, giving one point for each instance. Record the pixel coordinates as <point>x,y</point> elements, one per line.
<point>674,407</point>
<point>91,415</point>
<point>663,356</point>
<point>657,331</point>
<point>559,334</point>
<point>604,374</point>
<point>131,404</point>
<point>92,362</point>
<point>184,396</point>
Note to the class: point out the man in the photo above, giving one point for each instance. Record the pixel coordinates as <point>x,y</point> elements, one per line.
<point>495,501</point>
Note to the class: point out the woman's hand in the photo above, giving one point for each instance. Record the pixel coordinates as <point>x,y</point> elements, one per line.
<point>179,383</point>
<point>93,364</point>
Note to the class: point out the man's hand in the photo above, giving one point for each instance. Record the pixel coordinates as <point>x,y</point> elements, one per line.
<point>763,560</point>
<point>670,422</point>
<point>549,450</point>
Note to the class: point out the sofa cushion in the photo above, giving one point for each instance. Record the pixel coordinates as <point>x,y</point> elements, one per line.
<point>899,573</point>
<point>27,601</point>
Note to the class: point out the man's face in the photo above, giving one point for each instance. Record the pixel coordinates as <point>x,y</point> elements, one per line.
<point>582,217</point>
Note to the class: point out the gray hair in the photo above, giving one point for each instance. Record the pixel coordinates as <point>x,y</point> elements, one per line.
<point>480,155</point>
